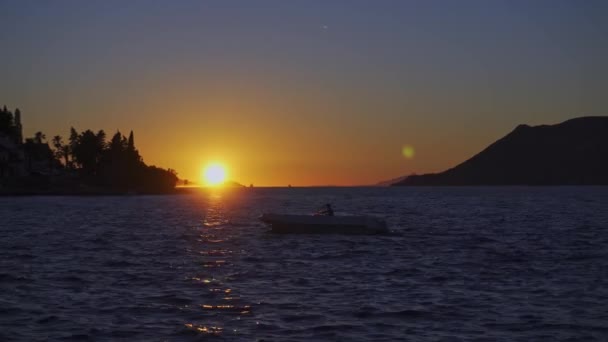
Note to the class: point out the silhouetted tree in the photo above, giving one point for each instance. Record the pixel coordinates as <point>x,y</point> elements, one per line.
<point>116,144</point>
<point>101,142</point>
<point>131,144</point>
<point>115,164</point>
<point>113,172</point>
<point>87,150</point>
<point>39,137</point>
<point>155,179</point>
<point>57,143</point>
<point>62,151</point>
<point>6,120</point>
<point>73,142</point>
<point>8,125</point>
<point>132,153</point>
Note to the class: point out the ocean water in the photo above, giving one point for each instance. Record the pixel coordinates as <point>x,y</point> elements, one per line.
<point>461,264</point>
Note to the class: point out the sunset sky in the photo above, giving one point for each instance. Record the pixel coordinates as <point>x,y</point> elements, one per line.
<point>303,92</point>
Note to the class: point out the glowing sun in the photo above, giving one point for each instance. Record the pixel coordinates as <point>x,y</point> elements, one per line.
<point>214,174</point>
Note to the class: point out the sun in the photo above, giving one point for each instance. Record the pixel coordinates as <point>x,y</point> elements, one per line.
<point>214,174</point>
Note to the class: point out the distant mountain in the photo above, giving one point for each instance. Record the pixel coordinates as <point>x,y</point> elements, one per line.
<point>574,152</point>
<point>391,181</point>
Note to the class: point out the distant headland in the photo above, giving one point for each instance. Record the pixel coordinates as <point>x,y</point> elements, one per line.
<point>85,164</point>
<point>574,152</point>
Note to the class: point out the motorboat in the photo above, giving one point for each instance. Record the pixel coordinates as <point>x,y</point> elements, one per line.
<point>323,224</point>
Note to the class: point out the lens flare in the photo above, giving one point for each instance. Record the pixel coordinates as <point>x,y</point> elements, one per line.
<point>408,151</point>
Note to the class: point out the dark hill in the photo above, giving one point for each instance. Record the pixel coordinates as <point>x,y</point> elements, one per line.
<point>390,181</point>
<point>574,152</point>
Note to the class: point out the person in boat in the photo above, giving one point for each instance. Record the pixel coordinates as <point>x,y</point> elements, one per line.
<point>327,211</point>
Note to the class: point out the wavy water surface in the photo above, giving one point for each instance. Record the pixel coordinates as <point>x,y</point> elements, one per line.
<point>486,264</point>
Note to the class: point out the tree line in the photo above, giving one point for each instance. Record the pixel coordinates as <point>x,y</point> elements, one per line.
<point>115,163</point>
<point>8,126</point>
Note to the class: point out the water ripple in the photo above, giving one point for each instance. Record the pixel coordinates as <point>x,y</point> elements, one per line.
<point>500,264</point>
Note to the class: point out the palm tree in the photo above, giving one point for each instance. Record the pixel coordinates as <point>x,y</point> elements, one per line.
<point>39,137</point>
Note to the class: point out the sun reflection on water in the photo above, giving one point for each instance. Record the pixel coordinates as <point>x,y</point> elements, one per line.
<point>240,308</point>
<point>215,267</point>
<point>212,330</point>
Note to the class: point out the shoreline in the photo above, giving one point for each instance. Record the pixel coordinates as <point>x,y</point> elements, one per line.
<point>85,192</point>
<point>192,190</point>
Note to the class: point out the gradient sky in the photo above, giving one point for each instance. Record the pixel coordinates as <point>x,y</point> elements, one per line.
<point>303,92</point>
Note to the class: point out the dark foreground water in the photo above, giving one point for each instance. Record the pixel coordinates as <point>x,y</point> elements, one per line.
<point>475,264</point>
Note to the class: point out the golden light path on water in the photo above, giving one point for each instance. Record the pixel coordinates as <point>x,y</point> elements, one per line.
<point>213,235</point>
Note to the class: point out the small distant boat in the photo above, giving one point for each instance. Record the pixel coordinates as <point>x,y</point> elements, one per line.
<point>320,224</point>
